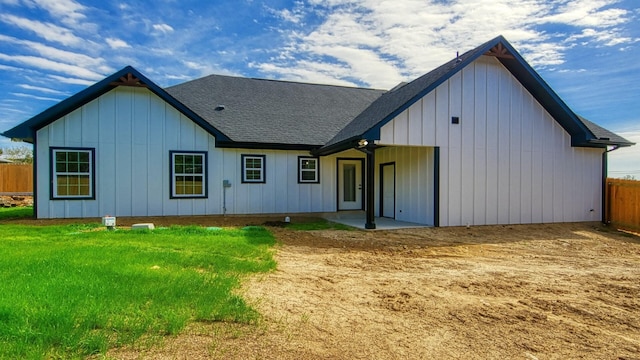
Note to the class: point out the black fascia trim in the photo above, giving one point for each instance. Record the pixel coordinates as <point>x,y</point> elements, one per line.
<point>205,174</point>
<point>264,169</point>
<point>265,146</point>
<point>52,173</point>
<point>604,143</point>
<point>23,130</point>
<point>343,145</point>
<point>317,159</point>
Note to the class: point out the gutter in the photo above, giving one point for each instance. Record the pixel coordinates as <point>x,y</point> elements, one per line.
<point>349,143</point>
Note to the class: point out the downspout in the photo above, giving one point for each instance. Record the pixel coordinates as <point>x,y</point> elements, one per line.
<point>35,174</point>
<point>604,184</point>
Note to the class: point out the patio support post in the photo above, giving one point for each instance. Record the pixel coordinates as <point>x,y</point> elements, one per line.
<point>369,209</point>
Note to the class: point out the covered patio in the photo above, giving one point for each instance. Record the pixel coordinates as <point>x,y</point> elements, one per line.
<point>358,219</point>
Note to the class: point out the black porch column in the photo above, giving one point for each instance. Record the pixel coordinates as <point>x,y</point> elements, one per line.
<point>369,204</point>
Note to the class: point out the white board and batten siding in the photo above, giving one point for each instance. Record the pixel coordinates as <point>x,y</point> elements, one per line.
<point>132,131</point>
<point>507,161</point>
<point>414,182</point>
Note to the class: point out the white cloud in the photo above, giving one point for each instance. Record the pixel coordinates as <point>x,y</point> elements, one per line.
<point>193,65</point>
<point>587,13</point>
<point>53,53</point>
<point>308,72</point>
<point>8,68</point>
<point>47,31</point>
<point>117,43</point>
<point>290,16</point>
<point>70,80</point>
<point>383,42</point>
<point>609,37</point>
<point>295,15</point>
<point>14,110</point>
<point>69,11</point>
<point>42,89</point>
<point>31,96</point>
<point>178,77</point>
<point>49,65</point>
<point>163,28</point>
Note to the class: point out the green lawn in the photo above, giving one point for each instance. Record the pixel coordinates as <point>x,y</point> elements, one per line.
<point>75,290</point>
<point>16,213</point>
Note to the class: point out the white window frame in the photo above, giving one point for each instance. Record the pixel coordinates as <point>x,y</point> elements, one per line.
<point>174,174</point>
<point>89,172</point>
<point>302,170</point>
<point>261,169</point>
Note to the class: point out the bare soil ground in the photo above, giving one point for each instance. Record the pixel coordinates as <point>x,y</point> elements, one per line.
<point>492,292</point>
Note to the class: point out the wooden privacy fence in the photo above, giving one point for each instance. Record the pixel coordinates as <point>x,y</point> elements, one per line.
<point>623,203</point>
<point>16,178</point>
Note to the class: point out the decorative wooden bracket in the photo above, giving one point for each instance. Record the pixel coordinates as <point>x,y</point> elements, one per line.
<point>128,80</point>
<point>499,51</point>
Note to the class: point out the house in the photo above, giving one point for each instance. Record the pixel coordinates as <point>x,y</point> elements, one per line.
<point>479,140</point>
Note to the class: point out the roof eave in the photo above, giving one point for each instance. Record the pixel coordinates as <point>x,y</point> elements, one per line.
<point>264,146</point>
<point>602,143</point>
<point>347,144</point>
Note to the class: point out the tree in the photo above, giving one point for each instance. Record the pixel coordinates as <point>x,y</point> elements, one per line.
<point>19,154</point>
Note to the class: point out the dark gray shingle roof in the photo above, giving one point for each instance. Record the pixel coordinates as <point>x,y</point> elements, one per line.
<point>604,136</point>
<point>273,112</point>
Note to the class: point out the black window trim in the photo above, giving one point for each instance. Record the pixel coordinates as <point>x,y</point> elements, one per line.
<point>205,175</point>
<point>317,160</point>
<point>264,169</point>
<point>52,172</point>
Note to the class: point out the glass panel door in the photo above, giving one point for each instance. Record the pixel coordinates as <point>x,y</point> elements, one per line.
<point>350,184</point>
<point>349,174</point>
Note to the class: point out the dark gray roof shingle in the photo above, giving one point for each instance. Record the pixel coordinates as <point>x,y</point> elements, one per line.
<point>604,136</point>
<point>273,112</point>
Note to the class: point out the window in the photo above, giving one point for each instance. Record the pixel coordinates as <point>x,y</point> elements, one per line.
<point>308,170</point>
<point>72,173</point>
<point>188,174</point>
<point>253,169</point>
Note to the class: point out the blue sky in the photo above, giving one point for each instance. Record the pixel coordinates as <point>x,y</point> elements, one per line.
<point>587,50</point>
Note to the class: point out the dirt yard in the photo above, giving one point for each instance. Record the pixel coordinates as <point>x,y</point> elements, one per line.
<point>567,291</point>
<point>492,292</point>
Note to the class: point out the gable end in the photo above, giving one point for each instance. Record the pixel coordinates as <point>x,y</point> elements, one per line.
<point>128,76</point>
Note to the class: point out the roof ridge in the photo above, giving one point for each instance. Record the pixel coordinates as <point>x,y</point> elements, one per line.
<point>277,80</point>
